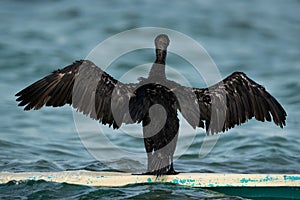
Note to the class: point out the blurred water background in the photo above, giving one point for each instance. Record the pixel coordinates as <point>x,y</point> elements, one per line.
<point>260,38</point>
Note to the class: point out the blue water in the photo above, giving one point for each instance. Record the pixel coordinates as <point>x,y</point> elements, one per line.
<point>260,38</point>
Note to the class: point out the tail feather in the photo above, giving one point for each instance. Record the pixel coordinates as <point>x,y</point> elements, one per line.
<point>159,164</point>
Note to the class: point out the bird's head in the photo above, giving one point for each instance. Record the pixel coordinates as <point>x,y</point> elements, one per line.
<point>162,42</point>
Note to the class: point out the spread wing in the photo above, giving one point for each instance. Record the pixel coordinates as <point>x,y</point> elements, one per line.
<point>84,86</point>
<point>232,102</point>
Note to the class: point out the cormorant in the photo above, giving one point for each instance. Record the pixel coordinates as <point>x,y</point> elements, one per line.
<point>93,92</point>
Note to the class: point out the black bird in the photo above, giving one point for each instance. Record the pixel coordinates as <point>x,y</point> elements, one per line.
<point>154,101</point>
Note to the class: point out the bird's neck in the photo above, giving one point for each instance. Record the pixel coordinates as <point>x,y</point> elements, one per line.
<point>158,68</point>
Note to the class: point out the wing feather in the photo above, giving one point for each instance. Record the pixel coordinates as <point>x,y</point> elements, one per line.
<point>235,100</point>
<point>86,87</point>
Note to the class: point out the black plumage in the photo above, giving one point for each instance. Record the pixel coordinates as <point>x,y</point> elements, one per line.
<point>154,101</point>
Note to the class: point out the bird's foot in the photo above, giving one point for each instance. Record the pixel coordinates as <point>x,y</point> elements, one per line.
<point>157,173</point>
<point>145,173</point>
<point>172,172</point>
